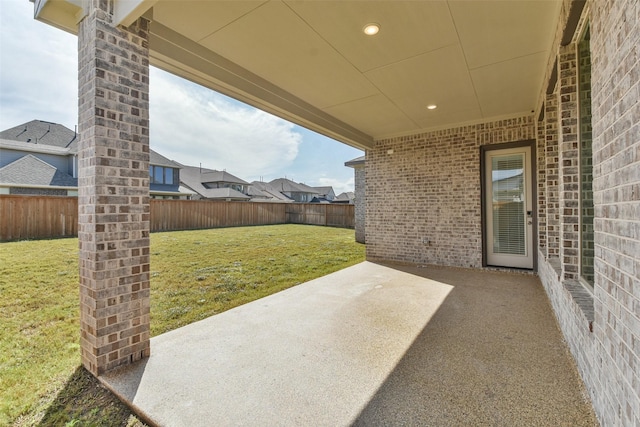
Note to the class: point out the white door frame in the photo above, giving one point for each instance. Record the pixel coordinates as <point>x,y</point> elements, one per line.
<point>529,259</point>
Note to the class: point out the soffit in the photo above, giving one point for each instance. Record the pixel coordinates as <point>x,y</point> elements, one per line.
<point>476,60</point>
<point>309,61</point>
<point>291,55</point>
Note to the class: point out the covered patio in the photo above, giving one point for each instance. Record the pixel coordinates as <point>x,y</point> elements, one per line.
<point>369,345</point>
<point>497,134</point>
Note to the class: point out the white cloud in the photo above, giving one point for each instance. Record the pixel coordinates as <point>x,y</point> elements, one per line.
<point>38,69</point>
<point>193,126</point>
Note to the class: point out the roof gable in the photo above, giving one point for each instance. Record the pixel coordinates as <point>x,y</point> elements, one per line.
<point>29,170</point>
<point>325,191</point>
<point>193,177</point>
<point>158,159</point>
<point>41,132</point>
<point>269,190</point>
<point>286,185</point>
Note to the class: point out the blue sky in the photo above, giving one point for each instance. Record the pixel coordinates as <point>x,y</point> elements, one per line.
<point>189,124</point>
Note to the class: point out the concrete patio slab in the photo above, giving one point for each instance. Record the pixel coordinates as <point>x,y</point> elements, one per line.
<point>368,345</point>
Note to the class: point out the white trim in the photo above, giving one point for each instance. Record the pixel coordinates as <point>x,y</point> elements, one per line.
<point>43,187</point>
<point>126,12</point>
<point>33,147</point>
<point>495,259</point>
<point>62,14</point>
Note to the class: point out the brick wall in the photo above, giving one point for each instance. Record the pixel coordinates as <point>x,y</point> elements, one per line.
<point>113,189</point>
<point>586,160</point>
<point>423,193</point>
<point>602,327</point>
<point>615,84</point>
<point>568,162</point>
<point>423,201</point>
<point>551,176</point>
<point>541,185</point>
<point>360,203</point>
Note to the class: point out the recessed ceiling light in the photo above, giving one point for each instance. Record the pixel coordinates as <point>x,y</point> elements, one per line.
<point>432,107</point>
<point>371,29</point>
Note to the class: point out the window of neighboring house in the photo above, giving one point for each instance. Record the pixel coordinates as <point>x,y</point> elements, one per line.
<point>161,175</point>
<point>586,160</point>
<point>158,175</point>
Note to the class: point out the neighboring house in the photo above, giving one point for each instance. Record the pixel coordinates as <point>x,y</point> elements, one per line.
<point>297,192</point>
<point>32,175</point>
<point>265,192</point>
<point>213,185</point>
<point>41,158</point>
<point>285,190</point>
<point>164,178</point>
<point>325,194</point>
<point>359,197</point>
<point>346,197</point>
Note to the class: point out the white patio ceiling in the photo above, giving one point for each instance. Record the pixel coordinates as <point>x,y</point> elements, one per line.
<point>311,63</point>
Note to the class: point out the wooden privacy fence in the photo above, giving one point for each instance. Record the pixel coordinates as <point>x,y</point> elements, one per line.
<point>37,217</point>
<point>40,217</point>
<point>321,214</point>
<point>167,215</point>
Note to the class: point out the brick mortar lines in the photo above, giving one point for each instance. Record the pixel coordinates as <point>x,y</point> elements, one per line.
<point>552,176</point>
<point>113,191</point>
<point>434,174</point>
<point>615,36</point>
<point>541,188</point>
<point>569,162</point>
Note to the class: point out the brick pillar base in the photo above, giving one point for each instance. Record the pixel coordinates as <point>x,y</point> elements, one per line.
<point>113,191</point>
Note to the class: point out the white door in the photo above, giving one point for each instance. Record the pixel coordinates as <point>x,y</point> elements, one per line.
<point>509,208</point>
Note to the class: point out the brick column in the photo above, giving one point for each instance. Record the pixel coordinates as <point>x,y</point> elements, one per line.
<point>113,190</point>
<point>569,158</point>
<point>551,175</point>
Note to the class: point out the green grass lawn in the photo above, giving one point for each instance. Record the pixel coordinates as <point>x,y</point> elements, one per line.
<point>194,274</point>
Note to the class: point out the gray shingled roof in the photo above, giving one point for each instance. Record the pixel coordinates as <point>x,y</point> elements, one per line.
<point>356,162</point>
<point>324,191</point>
<point>41,132</point>
<point>268,191</point>
<point>225,193</point>
<point>209,175</point>
<point>52,138</point>
<point>29,170</point>
<point>284,184</point>
<point>191,177</point>
<point>158,159</point>
<point>349,195</point>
